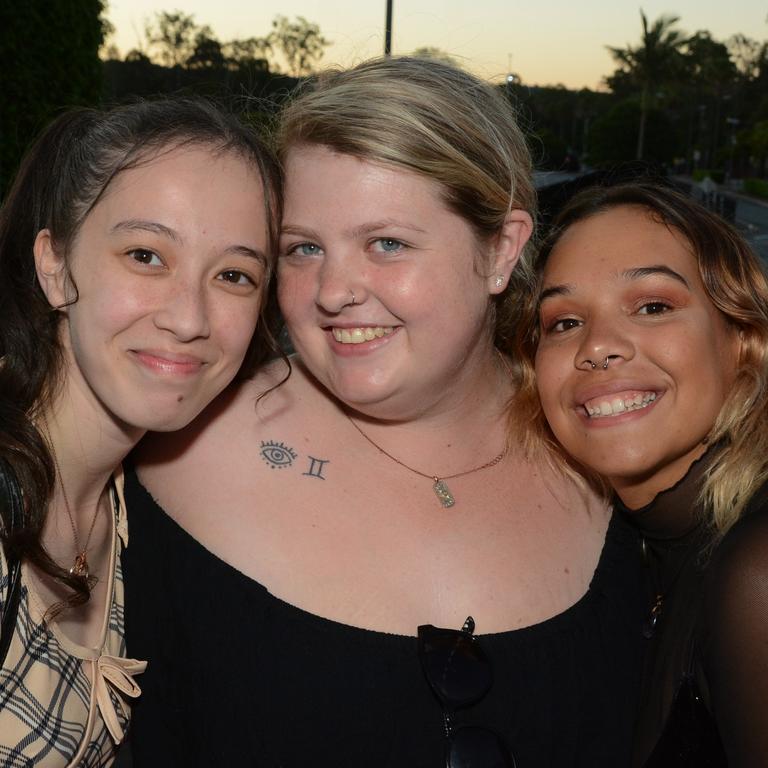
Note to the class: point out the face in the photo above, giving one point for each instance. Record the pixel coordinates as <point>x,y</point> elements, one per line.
<point>380,284</point>
<point>621,287</point>
<point>168,267</point>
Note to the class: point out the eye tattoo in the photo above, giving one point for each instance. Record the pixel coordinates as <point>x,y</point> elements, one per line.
<point>277,455</point>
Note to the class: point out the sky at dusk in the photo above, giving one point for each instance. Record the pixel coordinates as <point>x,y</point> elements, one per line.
<point>546,43</point>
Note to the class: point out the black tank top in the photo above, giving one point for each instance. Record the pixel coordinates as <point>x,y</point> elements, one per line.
<point>238,677</point>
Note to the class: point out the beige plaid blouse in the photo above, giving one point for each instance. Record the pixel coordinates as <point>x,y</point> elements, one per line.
<point>62,704</point>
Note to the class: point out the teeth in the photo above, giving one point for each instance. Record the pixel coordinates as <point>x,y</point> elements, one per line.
<point>360,335</point>
<point>596,409</point>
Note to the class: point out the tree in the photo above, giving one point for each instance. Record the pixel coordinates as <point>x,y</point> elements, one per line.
<point>172,35</point>
<point>207,52</point>
<point>655,61</point>
<point>49,59</point>
<point>300,43</point>
<point>247,52</point>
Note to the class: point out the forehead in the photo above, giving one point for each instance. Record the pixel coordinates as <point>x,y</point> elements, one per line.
<point>609,243</point>
<point>312,166</point>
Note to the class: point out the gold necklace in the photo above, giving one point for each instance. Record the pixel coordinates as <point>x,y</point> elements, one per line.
<point>80,566</point>
<point>440,487</point>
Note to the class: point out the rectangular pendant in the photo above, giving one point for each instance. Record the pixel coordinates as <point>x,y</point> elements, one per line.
<point>443,493</point>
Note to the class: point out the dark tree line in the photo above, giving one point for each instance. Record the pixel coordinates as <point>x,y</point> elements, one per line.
<point>686,101</point>
<point>49,57</point>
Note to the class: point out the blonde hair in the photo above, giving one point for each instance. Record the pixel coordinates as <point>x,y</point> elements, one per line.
<point>736,284</point>
<point>433,119</point>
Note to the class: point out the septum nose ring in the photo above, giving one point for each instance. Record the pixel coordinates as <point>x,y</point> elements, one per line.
<point>606,362</point>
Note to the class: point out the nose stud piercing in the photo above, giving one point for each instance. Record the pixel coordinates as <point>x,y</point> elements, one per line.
<point>353,302</point>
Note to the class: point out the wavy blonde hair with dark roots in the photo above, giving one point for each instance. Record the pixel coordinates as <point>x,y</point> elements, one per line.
<point>435,120</point>
<point>735,283</point>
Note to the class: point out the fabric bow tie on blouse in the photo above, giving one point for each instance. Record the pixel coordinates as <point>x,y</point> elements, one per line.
<point>117,673</point>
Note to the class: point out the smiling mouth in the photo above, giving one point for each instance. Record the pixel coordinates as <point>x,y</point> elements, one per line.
<point>360,335</point>
<point>601,407</point>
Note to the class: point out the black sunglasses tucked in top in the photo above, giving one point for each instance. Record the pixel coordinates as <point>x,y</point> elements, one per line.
<point>459,673</point>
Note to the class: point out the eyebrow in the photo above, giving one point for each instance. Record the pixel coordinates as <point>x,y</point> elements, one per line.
<point>363,229</point>
<point>636,273</point>
<point>144,225</point>
<point>375,226</point>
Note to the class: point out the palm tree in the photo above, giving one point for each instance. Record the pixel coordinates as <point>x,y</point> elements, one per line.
<point>656,60</point>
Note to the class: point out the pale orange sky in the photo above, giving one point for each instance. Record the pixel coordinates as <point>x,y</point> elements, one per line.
<point>546,43</point>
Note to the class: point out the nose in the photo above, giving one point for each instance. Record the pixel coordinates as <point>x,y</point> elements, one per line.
<point>340,284</point>
<point>184,312</point>
<point>604,346</point>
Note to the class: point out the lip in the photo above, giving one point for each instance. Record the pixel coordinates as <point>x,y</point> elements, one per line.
<point>614,387</point>
<point>364,347</point>
<point>608,389</point>
<point>168,363</point>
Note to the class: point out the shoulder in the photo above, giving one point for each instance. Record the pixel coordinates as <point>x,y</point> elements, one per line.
<point>738,572</point>
<point>218,447</point>
<point>265,397</point>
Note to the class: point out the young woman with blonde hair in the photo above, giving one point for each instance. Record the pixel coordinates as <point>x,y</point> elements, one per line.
<point>648,342</point>
<point>325,554</point>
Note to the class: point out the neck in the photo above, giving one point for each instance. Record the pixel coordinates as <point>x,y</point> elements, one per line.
<point>466,429</point>
<point>89,444</point>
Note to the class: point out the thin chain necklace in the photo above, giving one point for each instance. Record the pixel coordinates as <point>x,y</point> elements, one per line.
<point>440,487</point>
<point>80,566</point>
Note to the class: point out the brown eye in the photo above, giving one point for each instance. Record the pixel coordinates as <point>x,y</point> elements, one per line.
<point>236,277</point>
<point>145,256</point>
<point>654,308</point>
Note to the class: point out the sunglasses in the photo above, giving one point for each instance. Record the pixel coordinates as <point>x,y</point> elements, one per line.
<point>459,674</point>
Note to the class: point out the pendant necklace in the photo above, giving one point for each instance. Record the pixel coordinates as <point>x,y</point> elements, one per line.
<point>80,566</point>
<point>439,486</point>
<point>662,590</point>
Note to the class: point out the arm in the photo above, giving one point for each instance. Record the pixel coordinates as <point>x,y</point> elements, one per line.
<point>735,639</point>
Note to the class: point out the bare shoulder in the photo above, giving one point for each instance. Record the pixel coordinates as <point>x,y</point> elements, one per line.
<point>219,432</point>
<point>569,493</point>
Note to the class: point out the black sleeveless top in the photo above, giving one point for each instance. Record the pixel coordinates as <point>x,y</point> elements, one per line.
<point>238,677</point>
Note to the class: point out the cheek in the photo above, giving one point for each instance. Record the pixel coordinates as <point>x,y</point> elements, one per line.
<point>551,373</point>
<point>235,326</point>
<point>295,292</point>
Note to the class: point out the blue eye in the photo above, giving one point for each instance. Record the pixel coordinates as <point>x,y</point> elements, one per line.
<point>303,249</point>
<point>277,455</point>
<point>387,245</point>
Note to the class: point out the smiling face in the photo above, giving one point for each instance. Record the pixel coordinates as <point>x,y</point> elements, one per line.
<point>168,267</point>
<point>622,286</point>
<point>419,329</point>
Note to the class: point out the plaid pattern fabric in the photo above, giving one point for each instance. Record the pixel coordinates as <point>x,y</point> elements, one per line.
<point>51,713</point>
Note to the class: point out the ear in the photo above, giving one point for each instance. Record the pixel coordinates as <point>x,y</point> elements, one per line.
<point>51,269</point>
<point>509,244</point>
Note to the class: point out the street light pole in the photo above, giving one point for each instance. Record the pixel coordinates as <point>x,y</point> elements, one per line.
<point>388,30</point>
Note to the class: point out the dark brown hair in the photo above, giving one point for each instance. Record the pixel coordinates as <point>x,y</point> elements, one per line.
<point>61,179</point>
